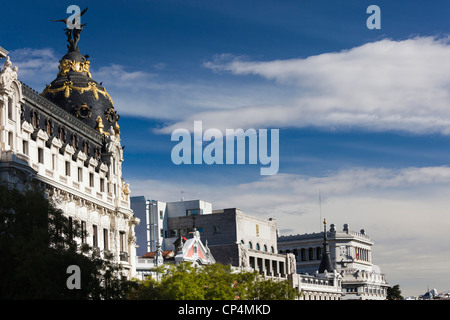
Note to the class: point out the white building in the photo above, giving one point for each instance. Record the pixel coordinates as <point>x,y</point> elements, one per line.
<point>154,215</point>
<point>67,140</point>
<point>351,257</point>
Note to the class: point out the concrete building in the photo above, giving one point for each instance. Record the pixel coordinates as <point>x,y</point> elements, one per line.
<point>66,140</point>
<point>350,254</point>
<point>154,215</point>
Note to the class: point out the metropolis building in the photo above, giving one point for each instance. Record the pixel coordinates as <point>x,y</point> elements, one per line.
<point>66,139</point>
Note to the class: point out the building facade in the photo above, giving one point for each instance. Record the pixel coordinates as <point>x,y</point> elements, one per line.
<point>350,254</point>
<point>66,140</point>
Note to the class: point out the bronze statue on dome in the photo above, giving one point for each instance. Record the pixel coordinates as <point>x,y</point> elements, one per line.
<point>73,30</point>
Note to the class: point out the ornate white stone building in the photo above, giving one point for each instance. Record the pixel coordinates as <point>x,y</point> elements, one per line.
<point>350,255</point>
<point>67,140</point>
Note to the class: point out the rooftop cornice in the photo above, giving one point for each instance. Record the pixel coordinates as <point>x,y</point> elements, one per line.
<point>60,114</point>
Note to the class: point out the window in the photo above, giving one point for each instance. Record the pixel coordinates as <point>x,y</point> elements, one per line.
<point>265,248</point>
<point>303,254</point>
<point>53,161</point>
<point>161,214</point>
<point>311,253</point>
<point>34,119</point>
<point>49,127</point>
<point>250,245</point>
<point>83,231</point>
<point>193,212</point>
<point>102,185</point>
<point>10,139</point>
<point>80,174</point>
<point>105,239</point>
<point>10,109</point>
<point>91,180</point>
<point>41,155</point>
<point>62,134</point>
<point>68,168</point>
<point>122,241</point>
<point>94,236</point>
<point>25,147</point>
<point>74,142</point>
<point>257,246</point>
<point>86,148</point>
<point>319,253</point>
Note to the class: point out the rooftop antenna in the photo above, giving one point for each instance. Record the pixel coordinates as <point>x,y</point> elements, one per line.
<point>320,210</point>
<point>182,198</point>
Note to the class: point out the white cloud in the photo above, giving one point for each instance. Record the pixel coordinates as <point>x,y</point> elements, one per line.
<point>384,85</point>
<point>37,67</point>
<point>378,86</point>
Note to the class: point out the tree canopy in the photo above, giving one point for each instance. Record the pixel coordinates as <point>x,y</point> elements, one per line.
<point>210,282</point>
<point>37,246</point>
<point>394,293</point>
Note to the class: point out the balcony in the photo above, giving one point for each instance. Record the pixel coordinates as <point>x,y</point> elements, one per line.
<point>123,256</point>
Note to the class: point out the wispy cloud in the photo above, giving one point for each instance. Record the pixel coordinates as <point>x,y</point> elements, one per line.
<point>268,194</point>
<point>378,86</point>
<point>37,67</point>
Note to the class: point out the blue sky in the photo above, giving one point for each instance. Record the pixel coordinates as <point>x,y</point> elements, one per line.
<point>363,114</point>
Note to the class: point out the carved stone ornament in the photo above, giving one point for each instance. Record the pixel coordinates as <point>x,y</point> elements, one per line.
<point>8,75</point>
<point>83,111</point>
<point>111,115</point>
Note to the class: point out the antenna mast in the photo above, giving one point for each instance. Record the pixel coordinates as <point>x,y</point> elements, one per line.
<point>320,211</point>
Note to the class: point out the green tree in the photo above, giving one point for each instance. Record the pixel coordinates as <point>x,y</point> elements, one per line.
<point>210,282</point>
<point>37,246</point>
<point>394,293</point>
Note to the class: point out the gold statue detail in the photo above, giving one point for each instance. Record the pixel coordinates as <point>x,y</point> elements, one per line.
<point>101,126</point>
<point>77,66</point>
<point>68,86</point>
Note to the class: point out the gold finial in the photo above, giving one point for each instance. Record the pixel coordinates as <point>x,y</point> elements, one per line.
<point>324,221</point>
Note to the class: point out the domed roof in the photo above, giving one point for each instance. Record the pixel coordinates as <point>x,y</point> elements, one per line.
<point>75,91</point>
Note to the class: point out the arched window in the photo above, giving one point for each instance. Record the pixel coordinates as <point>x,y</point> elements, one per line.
<point>250,245</point>
<point>34,119</point>
<point>62,134</point>
<point>265,248</point>
<point>49,127</point>
<point>10,108</point>
<point>74,141</point>
<point>257,246</point>
<point>272,250</point>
